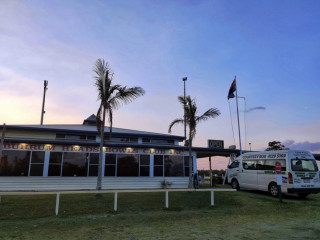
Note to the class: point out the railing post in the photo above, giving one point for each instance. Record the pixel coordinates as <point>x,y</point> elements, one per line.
<point>57,203</point>
<point>115,207</point>
<point>167,199</point>
<point>212,198</point>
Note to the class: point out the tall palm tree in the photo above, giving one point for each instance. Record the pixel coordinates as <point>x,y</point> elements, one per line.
<point>191,118</point>
<point>111,97</point>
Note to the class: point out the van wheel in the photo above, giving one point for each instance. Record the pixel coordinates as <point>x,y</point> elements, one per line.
<point>235,184</point>
<point>303,195</point>
<point>273,190</point>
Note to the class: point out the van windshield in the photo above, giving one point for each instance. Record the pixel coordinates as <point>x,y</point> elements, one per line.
<point>304,165</point>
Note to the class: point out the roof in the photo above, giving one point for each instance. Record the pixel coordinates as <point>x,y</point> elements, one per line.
<point>90,130</point>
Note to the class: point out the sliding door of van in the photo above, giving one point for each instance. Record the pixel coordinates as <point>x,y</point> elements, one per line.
<point>249,178</point>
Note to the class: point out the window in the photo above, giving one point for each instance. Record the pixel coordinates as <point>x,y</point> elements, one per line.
<point>93,164</point>
<point>128,165</point>
<point>36,164</point>
<point>110,165</point>
<point>144,165</point>
<point>234,164</point>
<point>14,163</point>
<point>146,140</point>
<point>269,164</point>
<point>249,165</point>
<point>75,164</point>
<point>55,164</point>
<point>304,165</point>
<point>158,166</point>
<point>186,166</point>
<point>173,166</point>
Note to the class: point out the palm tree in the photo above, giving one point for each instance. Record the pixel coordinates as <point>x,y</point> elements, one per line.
<point>111,97</point>
<point>191,118</point>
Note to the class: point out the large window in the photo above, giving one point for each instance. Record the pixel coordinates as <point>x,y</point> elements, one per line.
<point>144,165</point>
<point>75,164</point>
<point>55,164</point>
<point>37,163</point>
<point>111,163</point>
<point>93,164</point>
<point>305,165</point>
<point>128,165</point>
<point>14,163</point>
<point>173,166</point>
<point>158,166</point>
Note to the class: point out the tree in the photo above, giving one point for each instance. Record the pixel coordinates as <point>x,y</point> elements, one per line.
<point>275,145</point>
<point>111,97</point>
<point>190,109</point>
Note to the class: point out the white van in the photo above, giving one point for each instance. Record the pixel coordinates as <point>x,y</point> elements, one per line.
<point>256,171</point>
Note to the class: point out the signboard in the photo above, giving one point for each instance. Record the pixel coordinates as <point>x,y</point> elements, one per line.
<point>218,144</point>
<point>278,168</point>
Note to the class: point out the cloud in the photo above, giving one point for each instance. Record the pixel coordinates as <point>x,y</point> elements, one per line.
<point>313,147</point>
<point>256,108</point>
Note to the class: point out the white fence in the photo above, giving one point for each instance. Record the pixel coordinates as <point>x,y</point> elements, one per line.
<point>166,191</point>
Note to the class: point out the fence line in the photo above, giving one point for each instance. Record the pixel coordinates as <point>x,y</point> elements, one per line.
<point>58,193</point>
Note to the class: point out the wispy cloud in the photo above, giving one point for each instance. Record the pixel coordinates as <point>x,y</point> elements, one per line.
<point>310,146</point>
<point>256,108</point>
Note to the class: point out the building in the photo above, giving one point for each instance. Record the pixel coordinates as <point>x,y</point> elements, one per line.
<point>65,157</point>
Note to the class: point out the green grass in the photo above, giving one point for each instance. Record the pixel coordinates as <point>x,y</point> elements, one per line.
<point>236,215</point>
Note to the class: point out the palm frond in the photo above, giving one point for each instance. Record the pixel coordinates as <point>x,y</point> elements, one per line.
<point>174,122</point>
<point>211,113</point>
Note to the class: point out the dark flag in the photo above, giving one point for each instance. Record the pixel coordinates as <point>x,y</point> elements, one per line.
<point>232,89</point>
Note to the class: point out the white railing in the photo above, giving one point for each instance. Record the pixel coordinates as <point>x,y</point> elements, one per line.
<point>166,191</point>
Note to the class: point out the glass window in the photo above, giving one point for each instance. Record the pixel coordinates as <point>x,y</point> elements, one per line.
<point>93,164</point>
<point>304,165</point>
<point>158,166</point>
<point>14,163</point>
<point>128,165</point>
<point>270,164</point>
<point>144,165</point>
<point>110,165</point>
<point>186,165</point>
<point>74,164</point>
<point>146,140</point>
<point>249,165</point>
<point>173,166</point>
<point>55,164</point>
<point>37,162</point>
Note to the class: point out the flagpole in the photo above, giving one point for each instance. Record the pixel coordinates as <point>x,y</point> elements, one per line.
<point>238,115</point>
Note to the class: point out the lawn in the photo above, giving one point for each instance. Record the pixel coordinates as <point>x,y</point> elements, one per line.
<point>236,215</point>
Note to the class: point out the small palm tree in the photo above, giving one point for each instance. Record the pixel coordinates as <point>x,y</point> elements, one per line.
<point>111,97</point>
<point>191,118</point>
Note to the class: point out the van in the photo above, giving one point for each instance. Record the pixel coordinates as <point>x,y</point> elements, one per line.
<point>256,171</point>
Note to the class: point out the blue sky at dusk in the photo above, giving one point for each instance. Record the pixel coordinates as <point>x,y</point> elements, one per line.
<point>271,46</point>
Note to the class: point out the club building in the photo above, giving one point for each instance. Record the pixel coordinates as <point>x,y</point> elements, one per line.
<point>65,157</point>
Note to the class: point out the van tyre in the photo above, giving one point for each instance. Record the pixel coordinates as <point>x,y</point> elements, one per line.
<point>273,189</point>
<point>235,184</point>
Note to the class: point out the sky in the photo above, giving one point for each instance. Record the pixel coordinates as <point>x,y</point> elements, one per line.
<point>271,46</point>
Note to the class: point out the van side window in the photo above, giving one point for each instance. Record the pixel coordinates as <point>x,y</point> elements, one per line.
<point>234,164</point>
<point>249,165</point>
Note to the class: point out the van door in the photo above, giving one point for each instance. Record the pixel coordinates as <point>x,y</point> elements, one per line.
<point>248,175</point>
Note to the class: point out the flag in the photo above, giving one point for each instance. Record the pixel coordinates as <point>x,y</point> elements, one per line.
<point>232,89</point>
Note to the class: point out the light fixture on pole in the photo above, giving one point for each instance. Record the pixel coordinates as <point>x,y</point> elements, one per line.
<point>184,111</point>
<point>45,83</point>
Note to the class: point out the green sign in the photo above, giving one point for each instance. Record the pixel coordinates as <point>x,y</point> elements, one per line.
<point>216,144</point>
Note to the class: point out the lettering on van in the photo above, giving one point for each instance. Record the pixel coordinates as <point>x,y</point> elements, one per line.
<point>265,156</point>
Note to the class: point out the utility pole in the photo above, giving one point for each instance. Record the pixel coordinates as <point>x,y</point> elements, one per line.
<point>43,100</point>
<point>184,110</point>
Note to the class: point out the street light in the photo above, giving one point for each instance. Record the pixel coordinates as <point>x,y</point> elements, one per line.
<point>250,146</point>
<point>184,111</point>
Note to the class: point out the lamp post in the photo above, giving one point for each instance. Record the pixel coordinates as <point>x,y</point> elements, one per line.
<point>184,111</point>
<point>45,84</point>
<point>250,146</point>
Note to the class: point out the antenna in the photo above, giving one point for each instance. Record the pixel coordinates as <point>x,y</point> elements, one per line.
<point>45,83</point>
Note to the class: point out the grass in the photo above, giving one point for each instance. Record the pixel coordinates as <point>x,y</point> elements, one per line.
<point>236,215</point>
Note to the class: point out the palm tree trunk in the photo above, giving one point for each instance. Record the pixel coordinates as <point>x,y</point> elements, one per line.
<point>190,185</point>
<point>99,179</point>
